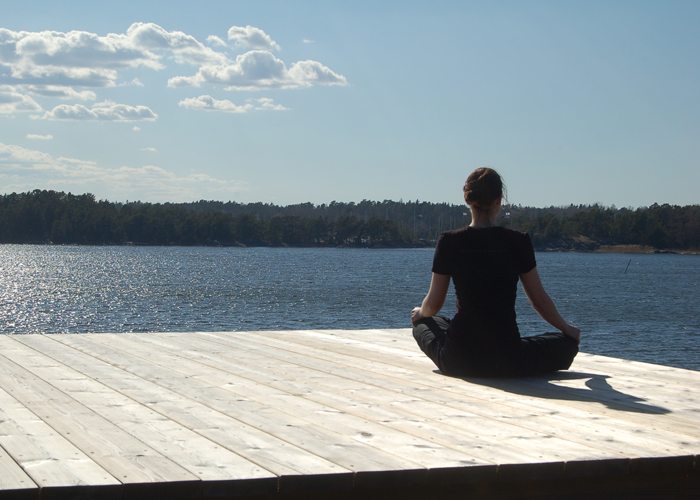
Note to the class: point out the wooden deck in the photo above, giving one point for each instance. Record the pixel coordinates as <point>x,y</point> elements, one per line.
<point>336,413</point>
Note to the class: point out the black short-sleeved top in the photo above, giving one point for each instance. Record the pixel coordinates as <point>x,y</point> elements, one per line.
<point>484,264</point>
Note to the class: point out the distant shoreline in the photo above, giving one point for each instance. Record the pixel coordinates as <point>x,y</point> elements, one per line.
<point>628,249</point>
<point>622,249</point>
<point>57,217</point>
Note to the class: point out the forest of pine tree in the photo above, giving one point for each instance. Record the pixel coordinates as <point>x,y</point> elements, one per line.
<point>51,217</point>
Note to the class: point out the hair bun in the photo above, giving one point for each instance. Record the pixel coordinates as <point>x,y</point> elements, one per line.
<point>483,187</point>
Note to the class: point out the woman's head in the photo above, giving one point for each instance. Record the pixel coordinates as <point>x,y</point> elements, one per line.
<point>483,189</point>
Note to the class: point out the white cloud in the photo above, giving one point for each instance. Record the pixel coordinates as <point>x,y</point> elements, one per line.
<point>309,73</point>
<point>136,129</point>
<point>215,41</point>
<point>208,103</point>
<point>149,150</point>
<point>63,76</point>
<point>107,111</point>
<point>307,41</point>
<point>61,92</point>
<point>12,102</point>
<point>40,137</point>
<point>259,69</point>
<point>183,48</point>
<point>11,155</point>
<point>69,65</point>
<point>81,58</point>
<point>251,37</point>
<point>74,58</point>
<point>23,169</point>
<point>267,104</point>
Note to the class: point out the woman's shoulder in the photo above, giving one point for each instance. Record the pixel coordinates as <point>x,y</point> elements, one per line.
<point>454,233</point>
<point>517,239</point>
<point>484,230</point>
<point>468,232</point>
<point>513,233</point>
<point>452,239</point>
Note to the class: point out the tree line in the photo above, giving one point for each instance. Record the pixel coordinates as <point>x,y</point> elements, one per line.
<point>42,216</point>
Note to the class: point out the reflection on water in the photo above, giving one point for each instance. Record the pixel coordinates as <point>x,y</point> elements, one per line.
<point>649,313</point>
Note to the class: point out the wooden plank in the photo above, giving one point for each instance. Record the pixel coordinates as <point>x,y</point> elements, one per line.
<point>633,435</point>
<point>608,395</point>
<point>440,382</point>
<point>665,376</point>
<point>333,410</point>
<point>126,458</point>
<point>279,374</point>
<point>202,457</point>
<point>301,432</point>
<point>268,451</point>
<point>400,342</point>
<point>305,383</point>
<point>390,407</point>
<point>658,378</point>
<point>43,454</point>
<point>338,422</point>
<point>390,345</point>
<point>279,407</point>
<point>684,404</point>
<point>13,477</point>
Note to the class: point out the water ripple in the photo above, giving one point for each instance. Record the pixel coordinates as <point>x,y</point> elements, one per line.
<point>649,313</point>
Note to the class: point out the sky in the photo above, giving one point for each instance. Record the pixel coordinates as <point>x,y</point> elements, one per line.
<point>315,101</point>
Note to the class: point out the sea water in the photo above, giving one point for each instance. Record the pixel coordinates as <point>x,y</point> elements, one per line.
<point>641,307</point>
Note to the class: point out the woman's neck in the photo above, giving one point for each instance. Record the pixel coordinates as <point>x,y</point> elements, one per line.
<point>483,218</point>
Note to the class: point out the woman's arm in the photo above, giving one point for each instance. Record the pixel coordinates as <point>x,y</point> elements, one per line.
<point>544,305</point>
<point>433,301</point>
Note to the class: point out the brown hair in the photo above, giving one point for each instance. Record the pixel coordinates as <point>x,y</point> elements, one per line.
<point>483,187</point>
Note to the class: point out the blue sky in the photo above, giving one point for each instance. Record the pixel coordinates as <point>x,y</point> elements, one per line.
<point>288,102</point>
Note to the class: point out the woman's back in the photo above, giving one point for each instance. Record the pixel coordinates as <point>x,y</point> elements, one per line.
<point>484,264</point>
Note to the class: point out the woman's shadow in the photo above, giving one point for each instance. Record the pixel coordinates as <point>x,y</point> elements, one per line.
<point>598,390</point>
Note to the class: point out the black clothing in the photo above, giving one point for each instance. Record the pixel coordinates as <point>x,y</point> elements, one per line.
<point>483,337</point>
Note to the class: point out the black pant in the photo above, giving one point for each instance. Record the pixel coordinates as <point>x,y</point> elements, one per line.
<point>531,355</point>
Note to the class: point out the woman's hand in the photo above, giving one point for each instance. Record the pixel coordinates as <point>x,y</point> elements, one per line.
<point>416,315</point>
<point>544,305</point>
<point>572,332</point>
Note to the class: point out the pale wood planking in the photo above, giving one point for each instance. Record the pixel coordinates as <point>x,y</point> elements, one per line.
<point>399,343</point>
<point>610,435</point>
<point>651,383</point>
<point>12,476</point>
<point>265,416</point>
<point>620,409</point>
<point>48,458</point>
<point>285,410</point>
<point>498,434</point>
<point>680,398</point>
<point>623,377</point>
<point>313,402</point>
<point>452,420</point>
<point>270,452</point>
<point>128,459</point>
<point>464,407</point>
<point>481,442</point>
<point>663,376</point>
<point>203,458</point>
<point>305,385</point>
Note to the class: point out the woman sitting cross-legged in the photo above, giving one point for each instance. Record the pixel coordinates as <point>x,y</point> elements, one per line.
<point>485,262</point>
